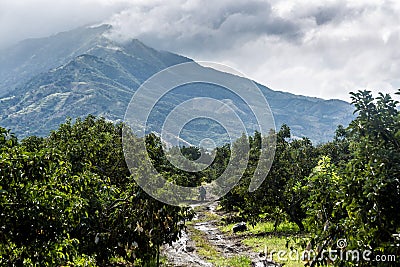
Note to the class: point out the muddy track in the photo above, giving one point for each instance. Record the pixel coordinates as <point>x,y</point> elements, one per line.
<point>183,252</point>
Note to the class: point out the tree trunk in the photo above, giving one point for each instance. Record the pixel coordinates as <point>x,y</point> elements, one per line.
<point>158,255</point>
<point>295,218</point>
<point>299,223</point>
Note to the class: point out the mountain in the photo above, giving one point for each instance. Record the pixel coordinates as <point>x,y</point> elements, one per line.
<point>72,74</point>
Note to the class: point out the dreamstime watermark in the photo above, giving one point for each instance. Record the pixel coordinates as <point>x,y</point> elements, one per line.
<point>146,114</point>
<point>327,256</point>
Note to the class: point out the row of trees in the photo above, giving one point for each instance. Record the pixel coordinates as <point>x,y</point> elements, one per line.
<point>69,199</point>
<point>348,188</point>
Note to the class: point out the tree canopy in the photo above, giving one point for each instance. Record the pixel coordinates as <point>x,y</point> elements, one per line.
<point>70,199</point>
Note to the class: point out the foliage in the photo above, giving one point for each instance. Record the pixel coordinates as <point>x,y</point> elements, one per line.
<point>70,199</point>
<point>7,139</point>
<point>347,188</point>
<point>294,160</point>
<point>357,200</point>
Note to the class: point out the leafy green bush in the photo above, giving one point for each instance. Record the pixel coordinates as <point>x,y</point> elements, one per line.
<point>70,199</point>
<point>358,200</point>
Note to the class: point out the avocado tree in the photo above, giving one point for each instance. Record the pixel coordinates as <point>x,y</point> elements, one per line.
<point>69,199</point>
<point>275,198</point>
<point>358,200</point>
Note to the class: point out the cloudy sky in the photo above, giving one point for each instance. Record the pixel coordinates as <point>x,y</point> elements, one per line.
<point>318,48</point>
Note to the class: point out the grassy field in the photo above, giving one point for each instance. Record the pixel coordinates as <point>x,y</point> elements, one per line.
<point>284,228</point>
<point>263,238</point>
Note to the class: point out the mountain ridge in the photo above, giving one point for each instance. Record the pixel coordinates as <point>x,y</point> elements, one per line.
<point>101,78</point>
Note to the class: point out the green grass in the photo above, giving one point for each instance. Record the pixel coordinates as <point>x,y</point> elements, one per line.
<point>270,245</point>
<point>285,228</point>
<point>264,238</point>
<point>208,216</point>
<point>236,261</point>
<point>211,254</point>
<point>204,248</point>
<point>261,238</point>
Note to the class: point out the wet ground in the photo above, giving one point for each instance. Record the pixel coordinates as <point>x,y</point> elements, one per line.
<point>184,251</point>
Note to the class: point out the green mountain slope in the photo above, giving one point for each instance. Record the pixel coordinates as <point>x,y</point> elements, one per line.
<point>82,72</point>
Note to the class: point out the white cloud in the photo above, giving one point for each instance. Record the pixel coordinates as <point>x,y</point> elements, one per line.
<point>324,49</point>
<point>316,48</point>
<point>22,19</point>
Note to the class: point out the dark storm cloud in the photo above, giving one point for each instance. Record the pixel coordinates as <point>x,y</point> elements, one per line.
<point>203,25</point>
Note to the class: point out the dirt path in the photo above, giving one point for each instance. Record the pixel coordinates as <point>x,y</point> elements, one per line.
<point>185,253</point>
